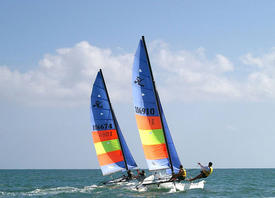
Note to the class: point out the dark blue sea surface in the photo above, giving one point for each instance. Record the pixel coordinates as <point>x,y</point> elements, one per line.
<point>86,183</point>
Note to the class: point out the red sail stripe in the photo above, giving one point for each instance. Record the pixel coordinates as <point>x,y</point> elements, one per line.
<point>148,122</point>
<point>100,136</point>
<point>154,152</point>
<point>110,157</point>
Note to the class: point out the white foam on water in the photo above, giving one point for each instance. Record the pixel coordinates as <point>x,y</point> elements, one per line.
<point>199,185</point>
<point>9,194</point>
<point>58,190</point>
<point>142,189</point>
<point>51,191</point>
<point>130,184</point>
<point>173,189</point>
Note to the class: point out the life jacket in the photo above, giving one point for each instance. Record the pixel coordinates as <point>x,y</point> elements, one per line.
<point>207,173</point>
<point>183,174</point>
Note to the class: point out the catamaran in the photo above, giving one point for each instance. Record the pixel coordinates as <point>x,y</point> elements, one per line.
<point>112,151</point>
<point>158,146</point>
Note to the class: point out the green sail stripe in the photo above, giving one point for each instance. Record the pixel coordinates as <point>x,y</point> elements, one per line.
<point>107,146</point>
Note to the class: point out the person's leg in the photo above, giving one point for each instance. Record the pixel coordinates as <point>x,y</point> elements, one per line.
<point>197,177</point>
<point>173,178</point>
<point>181,178</point>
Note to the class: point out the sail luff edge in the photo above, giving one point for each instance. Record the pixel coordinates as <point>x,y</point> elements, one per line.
<point>157,100</point>
<point>114,117</point>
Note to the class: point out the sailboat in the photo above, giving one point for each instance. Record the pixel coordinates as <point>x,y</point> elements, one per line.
<point>157,142</point>
<point>112,151</point>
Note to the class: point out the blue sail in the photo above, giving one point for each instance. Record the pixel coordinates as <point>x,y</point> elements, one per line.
<point>173,152</point>
<point>127,154</point>
<point>152,125</point>
<point>112,151</point>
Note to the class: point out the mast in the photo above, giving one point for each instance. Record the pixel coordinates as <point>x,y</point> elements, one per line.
<point>114,117</point>
<point>158,105</point>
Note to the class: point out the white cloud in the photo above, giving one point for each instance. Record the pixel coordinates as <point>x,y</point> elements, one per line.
<point>261,81</point>
<point>65,78</point>
<point>191,76</point>
<point>224,63</point>
<point>249,60</point>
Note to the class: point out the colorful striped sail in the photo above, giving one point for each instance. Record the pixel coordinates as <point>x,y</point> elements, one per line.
<point>112,151</point>
<point>158,146</point>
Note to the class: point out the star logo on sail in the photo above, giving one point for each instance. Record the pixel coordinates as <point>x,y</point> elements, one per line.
<point>98,104</point>
<point>138,81</point>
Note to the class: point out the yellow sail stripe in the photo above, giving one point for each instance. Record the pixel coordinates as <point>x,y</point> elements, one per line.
<point>152,137</point>
<point>107,146</point>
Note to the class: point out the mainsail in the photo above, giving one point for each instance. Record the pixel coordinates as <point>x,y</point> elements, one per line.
<point>112,151</point>
<point>158,146</point>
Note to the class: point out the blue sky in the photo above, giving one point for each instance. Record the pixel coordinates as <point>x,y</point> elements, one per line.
<point>214,63</point>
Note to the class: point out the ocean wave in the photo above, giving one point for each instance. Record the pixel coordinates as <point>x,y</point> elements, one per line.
<point>50,191</point>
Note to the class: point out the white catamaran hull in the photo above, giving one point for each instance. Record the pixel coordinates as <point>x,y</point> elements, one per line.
<point>154,181</point>
<point>183,186</point>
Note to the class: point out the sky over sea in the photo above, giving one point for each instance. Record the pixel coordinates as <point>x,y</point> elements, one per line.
<point>213,63</point>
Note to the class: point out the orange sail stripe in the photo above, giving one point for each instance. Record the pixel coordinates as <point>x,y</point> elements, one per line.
<point>148,122</point>
<point>100,136</point>
<point>154,152</point>
<point>110,157</point>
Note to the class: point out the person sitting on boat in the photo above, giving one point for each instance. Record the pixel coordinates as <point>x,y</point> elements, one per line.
<point>130,175</point>
<point>180,176</point>
<point>140,175</point>
<point>205,171</point>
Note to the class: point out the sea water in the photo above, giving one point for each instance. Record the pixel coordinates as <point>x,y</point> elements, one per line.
<point>87,183</point>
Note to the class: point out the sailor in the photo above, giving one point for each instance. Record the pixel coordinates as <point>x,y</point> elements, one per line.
<point>140,175</point>
<point>180,176</point>
<point>205,171</point>
<point>129,175</point>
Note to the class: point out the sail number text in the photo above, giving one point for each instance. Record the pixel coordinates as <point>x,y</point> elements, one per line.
<point>102,126</point>
<point>105,134</point>
<point>147,111</point>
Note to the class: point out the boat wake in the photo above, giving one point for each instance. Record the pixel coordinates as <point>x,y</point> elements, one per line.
<point>50,191</point>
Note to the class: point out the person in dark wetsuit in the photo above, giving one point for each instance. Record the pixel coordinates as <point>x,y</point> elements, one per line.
<point>180,176</point>
<point>140,175</point>
<point>205,171</point>
<point>130,175</point>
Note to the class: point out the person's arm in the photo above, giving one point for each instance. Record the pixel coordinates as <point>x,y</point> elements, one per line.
<point>206,168</point>
<point>200,165</point>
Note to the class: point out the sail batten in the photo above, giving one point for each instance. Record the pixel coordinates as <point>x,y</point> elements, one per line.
<point>112,151</point>
<point>155,136</point>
